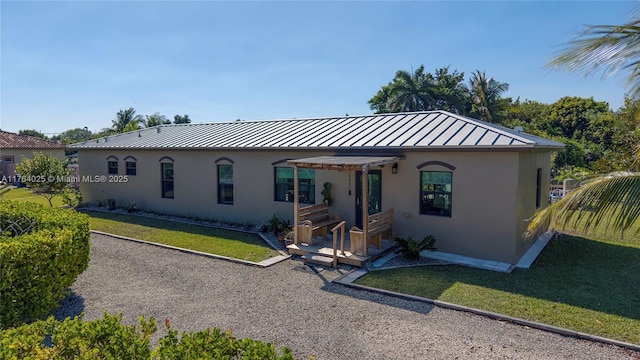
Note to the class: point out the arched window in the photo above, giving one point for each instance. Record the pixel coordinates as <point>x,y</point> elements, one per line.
<point>166,174</point>
<point>436,188</point>
<point>224,167</point>
<point>131,168</point>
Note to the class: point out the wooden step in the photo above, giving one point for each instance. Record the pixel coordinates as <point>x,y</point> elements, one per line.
<point>317,259</point>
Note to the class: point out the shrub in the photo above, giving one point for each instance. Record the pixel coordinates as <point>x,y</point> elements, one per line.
<point>214,344</point>
<point>108,338</point>
<point>42,252</point>
<point>411,249</point>
<point>71,197</point>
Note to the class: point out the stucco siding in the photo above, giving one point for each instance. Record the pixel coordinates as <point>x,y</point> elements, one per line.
<point>485,192</point>
<point>530,162</point>
<point>18,154</point>
<point>482,223</point>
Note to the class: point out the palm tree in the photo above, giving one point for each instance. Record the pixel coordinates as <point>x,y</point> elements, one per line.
<point>156,119</point>
<point>450,92</point>
<point>411,92</point>
<point>614,197</point>
<point>123,118</point>
<point>607,48</point>
<point>485,96</point>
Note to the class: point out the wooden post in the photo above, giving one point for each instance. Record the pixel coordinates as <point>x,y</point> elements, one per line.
<point>365,209</point>
<point>296,209</point>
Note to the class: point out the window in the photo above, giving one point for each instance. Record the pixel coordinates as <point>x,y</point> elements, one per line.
<point>284,185</point>
<point>435,193</point>
<point>113,168</point>
<point>8,160</point>
<point>131,168</point>
<point>167,180</point>
<point>225,184</point>
<point>539,188</point>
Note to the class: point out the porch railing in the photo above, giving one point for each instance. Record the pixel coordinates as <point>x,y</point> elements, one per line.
<point>335,230</point>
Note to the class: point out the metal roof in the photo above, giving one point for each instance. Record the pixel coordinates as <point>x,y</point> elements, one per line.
<point>416,130</point>
<point>343,162</point>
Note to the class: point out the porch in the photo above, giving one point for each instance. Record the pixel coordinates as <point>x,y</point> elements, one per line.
<point>313,223</point>
<point>322,248</point>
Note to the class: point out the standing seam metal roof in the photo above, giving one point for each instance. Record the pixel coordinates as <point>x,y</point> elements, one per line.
<point>430,129</point>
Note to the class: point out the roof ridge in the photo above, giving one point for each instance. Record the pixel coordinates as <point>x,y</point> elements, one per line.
<point>363,131</point>
<point>503,130</point>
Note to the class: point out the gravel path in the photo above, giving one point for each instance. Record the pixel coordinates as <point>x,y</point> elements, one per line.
<point>290,305</point>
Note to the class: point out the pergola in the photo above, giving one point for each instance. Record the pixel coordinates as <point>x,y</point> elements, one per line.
<point>340,163</point>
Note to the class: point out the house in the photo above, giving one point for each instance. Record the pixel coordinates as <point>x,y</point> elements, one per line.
<point>15,147</point>
<point>471,184</point>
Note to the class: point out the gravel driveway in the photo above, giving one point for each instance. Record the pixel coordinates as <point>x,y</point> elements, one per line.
<point>289,305</point>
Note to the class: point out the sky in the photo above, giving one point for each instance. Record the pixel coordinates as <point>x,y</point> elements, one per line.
<point>66,65</point>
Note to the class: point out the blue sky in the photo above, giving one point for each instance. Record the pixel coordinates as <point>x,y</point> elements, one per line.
<point>75,64</point>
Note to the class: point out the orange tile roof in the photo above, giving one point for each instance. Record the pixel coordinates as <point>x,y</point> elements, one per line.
<point>10,140</point>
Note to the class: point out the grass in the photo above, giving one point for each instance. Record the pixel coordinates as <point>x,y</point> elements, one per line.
<point>228,243</point>
<point>582,284</point>
<point>24,194</point>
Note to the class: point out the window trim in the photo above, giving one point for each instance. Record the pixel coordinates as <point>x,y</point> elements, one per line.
<point>225,184</point>
<point>112,170</point>
<point>538,188</point>
<point>311,192</point>
<point>128,169</point>
<point>164,182</point>
<point>423,193</point>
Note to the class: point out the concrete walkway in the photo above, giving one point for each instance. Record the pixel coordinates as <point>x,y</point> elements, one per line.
<point>293,305</point>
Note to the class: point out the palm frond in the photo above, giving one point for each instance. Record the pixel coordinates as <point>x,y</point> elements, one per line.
<point>614,197</point>
<point>607,48</point>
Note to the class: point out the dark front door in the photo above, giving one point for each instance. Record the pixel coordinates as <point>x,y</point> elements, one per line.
<point>374,196</point>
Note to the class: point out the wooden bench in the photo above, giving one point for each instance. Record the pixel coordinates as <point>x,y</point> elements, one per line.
<point>314,220</point>
<point>380,225</point>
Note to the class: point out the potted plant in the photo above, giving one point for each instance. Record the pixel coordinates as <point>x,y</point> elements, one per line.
<point>326,193</point>
<point>131,206</point>
<point>111,204</point>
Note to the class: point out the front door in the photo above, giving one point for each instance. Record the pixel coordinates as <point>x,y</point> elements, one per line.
<point>7,167</point>
<point>374,196</point>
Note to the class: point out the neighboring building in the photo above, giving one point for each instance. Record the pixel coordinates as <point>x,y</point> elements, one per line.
<point>471,184</point>
<point>14,147</point>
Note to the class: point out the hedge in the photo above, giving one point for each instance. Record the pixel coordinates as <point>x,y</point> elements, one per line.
<point>108,338</point>
<point>42,252</point>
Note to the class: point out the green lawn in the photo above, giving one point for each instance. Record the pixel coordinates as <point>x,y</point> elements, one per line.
<point>228,243</point>
<point>24,194</point>
<point>587,285</point>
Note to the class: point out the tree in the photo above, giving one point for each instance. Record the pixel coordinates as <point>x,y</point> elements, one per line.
<point>411,92</point>
<point>570,115</point>
<point>449,91</point>
<point>378,103</point>
<point>419,91</point>
<point>73,136</point>
<point>181,119</point>
<point>620,136</point>
<point>123,118</point>
<point>533,116</point>
<point>485,94</point>
<point>155,119</point>
<point>607,48</point>
<point>45,174</point>
<point>34,133</point>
